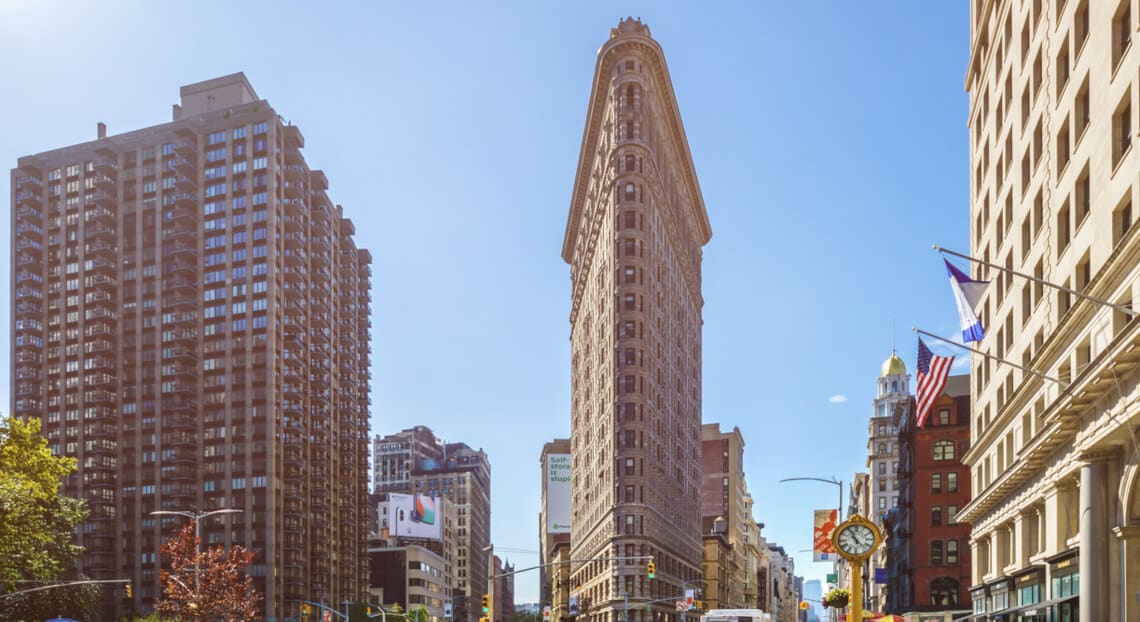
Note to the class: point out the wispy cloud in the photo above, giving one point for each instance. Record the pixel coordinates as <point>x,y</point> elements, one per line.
<point>837,399</point>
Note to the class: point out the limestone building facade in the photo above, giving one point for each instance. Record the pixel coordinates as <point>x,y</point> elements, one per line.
<point>1053,193</point>
<point>633,240</point>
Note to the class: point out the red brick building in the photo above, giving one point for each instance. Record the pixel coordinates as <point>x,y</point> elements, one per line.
<point>929,552</point>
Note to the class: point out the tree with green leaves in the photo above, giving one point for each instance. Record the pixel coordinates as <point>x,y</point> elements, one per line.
<point>37,524</point>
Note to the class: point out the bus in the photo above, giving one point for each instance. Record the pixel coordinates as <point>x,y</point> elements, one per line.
<point>736,615</point>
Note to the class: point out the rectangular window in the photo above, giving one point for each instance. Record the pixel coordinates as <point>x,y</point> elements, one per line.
<point>260,128</point>
<point>1064,232</point>
<point>1063,66</point>
<point>1081,110</point>
<point>239,132</point>
<point>935,552</point>
<point>951,482</point>
<point>1082,202</point>
<point>1122,129</point>
<point>935,483</point>
<point>217,138</point>
<point>936,516</point>
<point>1081,26</point>
<point>1121,31</point>
<point>1063,151</point>
<point>1122,218</point>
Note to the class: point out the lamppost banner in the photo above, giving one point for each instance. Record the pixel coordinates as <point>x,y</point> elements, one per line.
<point>822,548</point>
<point>558,493</point>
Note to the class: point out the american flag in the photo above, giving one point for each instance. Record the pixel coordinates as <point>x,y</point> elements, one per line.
<point>932,373</point>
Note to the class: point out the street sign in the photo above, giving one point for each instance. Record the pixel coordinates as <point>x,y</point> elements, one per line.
<point>447,610</point>
<point>689,596</point>
<point>546,613</point>
<point>682,605</point>
<point>833,578</point>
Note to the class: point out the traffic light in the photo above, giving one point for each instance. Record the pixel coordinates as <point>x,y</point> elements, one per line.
<point>127,590</point>
<point>651,569</point>
<point>697,605</point>
<point>486,604</point>
<point>803,605</point>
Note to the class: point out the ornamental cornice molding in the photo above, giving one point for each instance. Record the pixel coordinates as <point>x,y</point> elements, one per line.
<point>1105,454</point>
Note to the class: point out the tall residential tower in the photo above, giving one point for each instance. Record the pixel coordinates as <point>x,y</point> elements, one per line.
<point>190,319</point>
<point>633,240</point>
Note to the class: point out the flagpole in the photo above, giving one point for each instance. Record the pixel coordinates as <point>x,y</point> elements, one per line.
<point>1069,290</point>
<point>989,356</point>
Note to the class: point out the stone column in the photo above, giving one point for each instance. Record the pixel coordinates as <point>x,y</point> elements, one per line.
<point>1129,583</point>
<point>975,563</point>
<point>1094,512</point>
<point>1020,545</point>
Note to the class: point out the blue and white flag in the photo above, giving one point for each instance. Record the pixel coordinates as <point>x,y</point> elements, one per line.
<point>967,292</point>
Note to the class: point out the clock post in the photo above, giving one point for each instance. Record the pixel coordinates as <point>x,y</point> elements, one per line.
<point>856,592</point>
<point>855,539</point>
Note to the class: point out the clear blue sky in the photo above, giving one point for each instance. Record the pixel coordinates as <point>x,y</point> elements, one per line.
<point>829,139</point>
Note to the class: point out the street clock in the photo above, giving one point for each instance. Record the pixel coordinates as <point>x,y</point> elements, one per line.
<point>856,537</point>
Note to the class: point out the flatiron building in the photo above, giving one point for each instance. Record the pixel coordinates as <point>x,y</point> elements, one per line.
<point>634,234</point>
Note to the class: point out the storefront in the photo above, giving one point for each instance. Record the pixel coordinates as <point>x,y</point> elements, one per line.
<point>994,601</point>
<point>1030,586</point>
<point>1065,587</point>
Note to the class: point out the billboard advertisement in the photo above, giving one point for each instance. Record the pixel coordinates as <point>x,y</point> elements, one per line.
<point>557,493</point>
<point>415,516</point>
<point>822,549</point>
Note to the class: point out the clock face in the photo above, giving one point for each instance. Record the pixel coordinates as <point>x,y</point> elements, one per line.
<point>856,539</point>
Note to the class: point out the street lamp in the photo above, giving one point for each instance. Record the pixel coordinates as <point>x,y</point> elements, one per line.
<point>489,549</point>
<point>838,510</point>
<point>197,518</point>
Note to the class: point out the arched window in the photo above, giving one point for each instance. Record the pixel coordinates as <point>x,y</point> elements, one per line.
<point>894,386</point>
<point>944,591</point>
<point>943,450</point>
